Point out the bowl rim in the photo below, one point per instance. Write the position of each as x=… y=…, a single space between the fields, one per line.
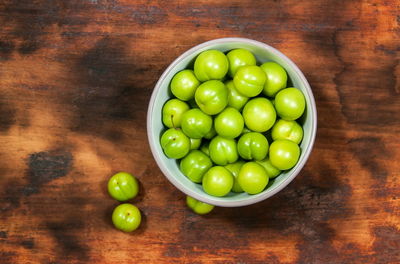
x=281 y=185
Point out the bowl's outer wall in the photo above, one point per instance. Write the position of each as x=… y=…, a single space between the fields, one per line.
x=161 y=94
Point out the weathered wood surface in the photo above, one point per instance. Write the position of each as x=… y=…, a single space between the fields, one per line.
x=75 y=80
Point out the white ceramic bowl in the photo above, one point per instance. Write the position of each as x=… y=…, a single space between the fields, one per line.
x=161 y=94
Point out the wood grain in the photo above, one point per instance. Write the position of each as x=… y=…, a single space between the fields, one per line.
x=75 y=80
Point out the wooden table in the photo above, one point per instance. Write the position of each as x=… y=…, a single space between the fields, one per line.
x=76 y=78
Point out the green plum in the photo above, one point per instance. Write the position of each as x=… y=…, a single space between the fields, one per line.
x=196 y=124
x=235 y=99
x=245 y=130
x=229 y=123
x=217 y=181
x=198 y=207
x=175 y=143
x=238 y=58
x=205 y=148
x=211 y=65
x=253 y=145
x=184 y=85
x=211 y=134
x=126 y=217
x=212 y=97
x=259 y=114
x=252 y=177
x=191 y=202
x=123 y=186
x=249 y=80
x=195 y=143
x=223 y=150
x=289 y=130
x=172 y=112
x=276 y=78
x=234 y=168
x=272 y=172
x=195 y=164
x=290 y=103
x=284 y=154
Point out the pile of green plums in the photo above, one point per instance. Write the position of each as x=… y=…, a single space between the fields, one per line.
x=232 y=123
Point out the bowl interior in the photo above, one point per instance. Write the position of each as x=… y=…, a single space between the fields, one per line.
x=161 y=94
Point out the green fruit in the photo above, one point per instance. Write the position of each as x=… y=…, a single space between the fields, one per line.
x=212 y=97
x=245 y=130
x=276 y=78
x=223 y=150
x=235 y=99
x=195 y=165
x=175 y=143
x=284 y=154
x=289 y=130
x=249 y=80
x=217 y=181
x=195 y=143
x=211 y=65
x=123 y=186
x=172 y=113
x=252 y=178
x=205 y=148
x=196 y=124
x=290 y=103
x=211 y=134
x=126 y=217
x=184 y=85
x=229 y=123
x=272 y=172
x=238 y=58
x=198 y=207
x=234 y=168
x=259 y=114
x=253 y=145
